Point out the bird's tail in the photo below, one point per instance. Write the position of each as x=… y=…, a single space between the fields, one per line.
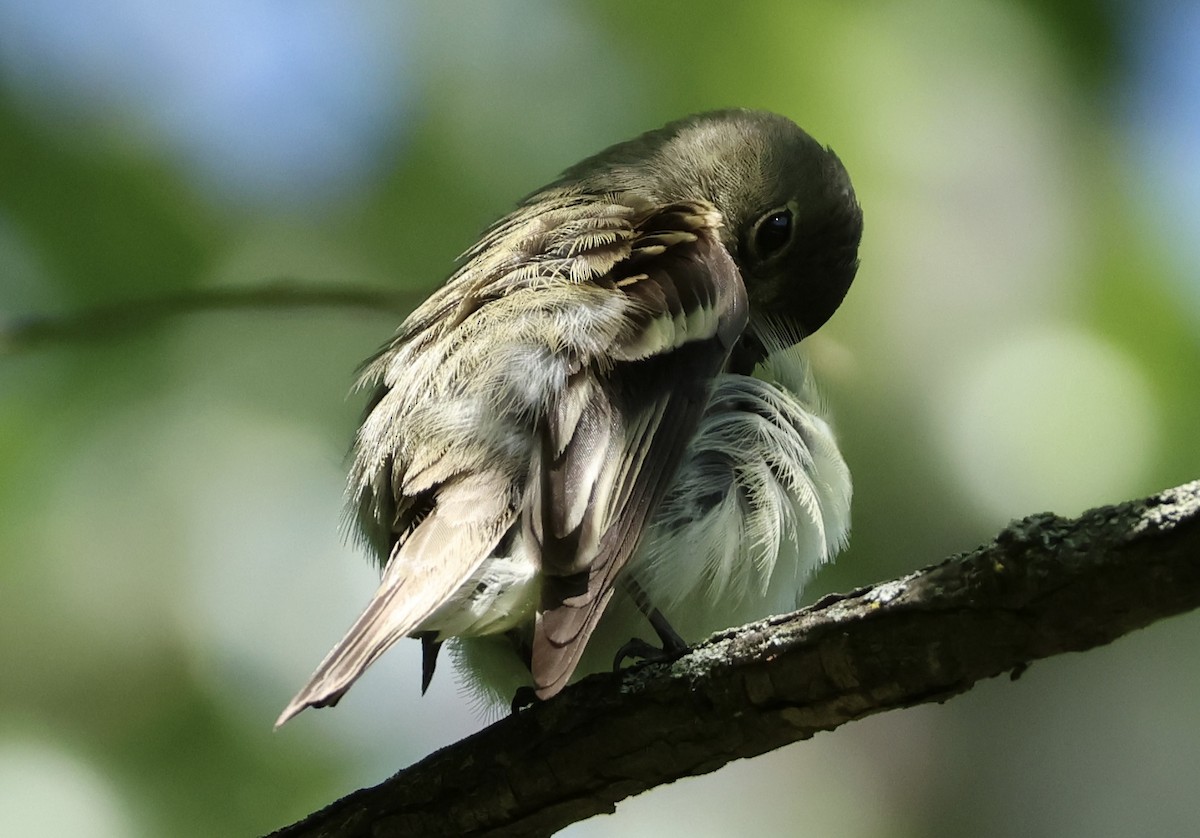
x=371 y=635
x=422 y=574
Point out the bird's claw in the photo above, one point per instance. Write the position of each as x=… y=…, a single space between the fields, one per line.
x=522 y=698
x=639 y=650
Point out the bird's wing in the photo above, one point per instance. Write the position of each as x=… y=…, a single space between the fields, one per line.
x=613 y=441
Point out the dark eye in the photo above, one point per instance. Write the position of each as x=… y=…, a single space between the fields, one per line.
x=772 y=234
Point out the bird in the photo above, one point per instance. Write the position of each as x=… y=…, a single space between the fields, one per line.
x=601 y=418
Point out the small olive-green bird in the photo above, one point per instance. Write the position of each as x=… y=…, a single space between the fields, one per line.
x=598 y=425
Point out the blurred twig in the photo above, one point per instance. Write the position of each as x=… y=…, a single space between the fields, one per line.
x=22 y=334
x=1045 y=586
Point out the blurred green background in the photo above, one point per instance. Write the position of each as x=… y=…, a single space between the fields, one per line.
x=1022 y=337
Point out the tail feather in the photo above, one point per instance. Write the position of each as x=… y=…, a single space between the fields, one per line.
x=370 y=636
x=425 y=571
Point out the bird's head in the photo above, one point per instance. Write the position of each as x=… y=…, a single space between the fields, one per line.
x=791 y=220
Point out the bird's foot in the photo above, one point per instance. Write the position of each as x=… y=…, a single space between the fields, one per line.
x=639 y=650
x=522 y=698
x=673 y=646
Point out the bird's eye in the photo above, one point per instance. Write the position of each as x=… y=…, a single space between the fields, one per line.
x=772 y=233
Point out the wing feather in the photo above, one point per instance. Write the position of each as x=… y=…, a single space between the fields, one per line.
x=627 y=442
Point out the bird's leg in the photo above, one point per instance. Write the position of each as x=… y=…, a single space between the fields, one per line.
x=672 y=644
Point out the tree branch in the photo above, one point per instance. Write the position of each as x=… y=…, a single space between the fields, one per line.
x=22 y=334
x=1046 y=585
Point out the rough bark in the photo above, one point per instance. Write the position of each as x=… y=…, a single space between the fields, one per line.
x=1045 y=586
